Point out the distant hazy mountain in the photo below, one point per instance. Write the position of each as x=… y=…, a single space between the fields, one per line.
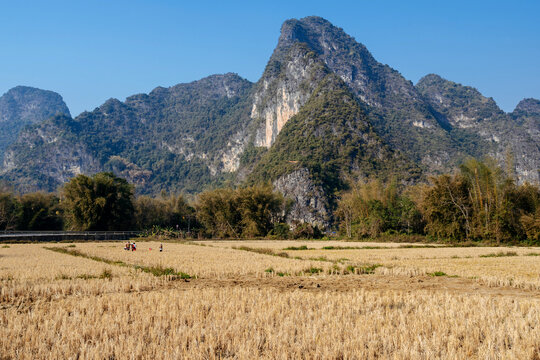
x=324 y=111
x=25 y=105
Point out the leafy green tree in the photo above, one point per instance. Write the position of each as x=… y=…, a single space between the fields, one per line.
x=447 y=208
x=531 y=225
x=101 y=202
x=244 y=212
x=481 y=202
x=260 y=208
x=39 y=211
x=218 y=212
x=373 y=208
x=8 y=211
x=167 y=211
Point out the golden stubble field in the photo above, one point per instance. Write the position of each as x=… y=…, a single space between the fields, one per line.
x=254 y=299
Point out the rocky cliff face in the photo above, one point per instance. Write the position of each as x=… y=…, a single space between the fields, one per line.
x=284 y=88
x=527 y=116
x=23 y=106
x=45 y=157
x=461 y=106
x=310 y=203
x=394 y=105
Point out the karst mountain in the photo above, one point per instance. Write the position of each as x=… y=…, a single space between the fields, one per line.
x=325 y=111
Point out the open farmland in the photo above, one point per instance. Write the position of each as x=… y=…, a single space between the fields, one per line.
x=267 y=299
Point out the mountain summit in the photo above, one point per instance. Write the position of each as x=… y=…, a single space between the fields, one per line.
x=23 y=105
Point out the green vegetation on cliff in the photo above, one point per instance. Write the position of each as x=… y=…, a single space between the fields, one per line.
x=331 y=137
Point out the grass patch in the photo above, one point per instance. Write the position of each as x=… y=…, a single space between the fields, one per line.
x=340 y=247
x=5 y=247
x=369 y=269
x=263 y=251
x=417 y=246
x=532 y=254
x=320 y=258
x=163 y=271
x=437 y=273
x=312 y=270
x=106 y=274
x=86 y=276
x=278 y=273
x=301 y=247
x=500 y=254
x=62 y=277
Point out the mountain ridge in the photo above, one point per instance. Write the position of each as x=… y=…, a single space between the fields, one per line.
x=226 y=130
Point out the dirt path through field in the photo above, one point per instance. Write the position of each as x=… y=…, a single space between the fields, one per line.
x=366 y=282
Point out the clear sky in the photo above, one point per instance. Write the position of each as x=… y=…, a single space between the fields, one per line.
x=89 y=51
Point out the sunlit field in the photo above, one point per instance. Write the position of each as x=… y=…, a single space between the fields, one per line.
x=266 y=299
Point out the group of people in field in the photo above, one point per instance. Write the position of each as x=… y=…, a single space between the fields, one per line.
x=131 y=246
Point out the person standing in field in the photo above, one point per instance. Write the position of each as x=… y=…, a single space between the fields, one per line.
x=160 y=247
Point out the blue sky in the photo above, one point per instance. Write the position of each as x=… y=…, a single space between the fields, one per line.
x=89 y=51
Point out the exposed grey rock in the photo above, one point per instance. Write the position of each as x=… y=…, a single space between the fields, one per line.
x=281 y=93
x=310 y=203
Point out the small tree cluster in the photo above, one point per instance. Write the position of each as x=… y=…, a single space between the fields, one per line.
x=481 y=203
x=373 y=208
x=246 y=212
x=33 y=211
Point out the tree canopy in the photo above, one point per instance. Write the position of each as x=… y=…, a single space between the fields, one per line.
x=101 y=202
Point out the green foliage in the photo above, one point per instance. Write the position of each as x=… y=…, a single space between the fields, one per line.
x=39 y=211
x=437 y=273
x=245 y=212
x=312 y=270
x=480 y=203
x=281 y=231
x=101 y=202
x=165 y=212
x=302 y=247
x=329 y=136
x=500 y=254
x=32 y=211
x=374 y=208
x=306 y=231
x=8 y=211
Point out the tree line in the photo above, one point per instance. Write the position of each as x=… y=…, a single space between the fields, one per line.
x=480 y=202
x=106 y=202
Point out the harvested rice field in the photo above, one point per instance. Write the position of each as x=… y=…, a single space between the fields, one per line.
x=268 y=299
